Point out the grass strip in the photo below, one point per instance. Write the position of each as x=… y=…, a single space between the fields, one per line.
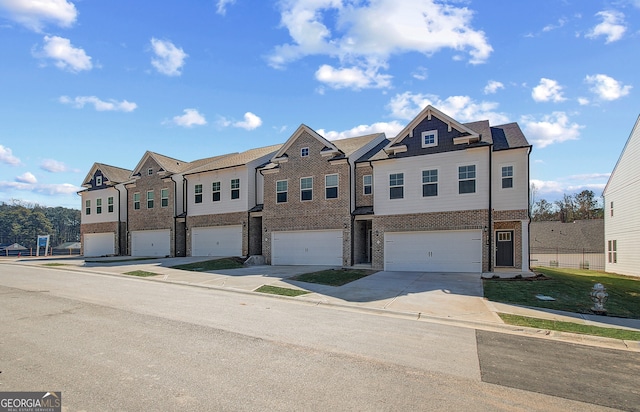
x=209 y=265
x=333 y=277
x=275 y=290
x=142 y=273
x=570 y=327
x=117 y=260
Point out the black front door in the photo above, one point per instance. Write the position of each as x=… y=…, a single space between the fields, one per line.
x=504 y=248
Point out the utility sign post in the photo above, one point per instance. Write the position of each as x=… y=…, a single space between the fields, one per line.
x=43 y=241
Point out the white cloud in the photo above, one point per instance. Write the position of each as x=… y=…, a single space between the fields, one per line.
x=421 y=73
x=390 y=129
x=53 y=166
x=607 y=88
x=547 y=90
x=169 y=58
x=462 y=108
x=567 y=185
x=46 y=189
x=33 y=14
x=222 y=6
x=250 y=122
x=492 y=87
x=553 y=128
x=366 y=34
x=6 y=156
x=583 y=101
x=561 y=22
x=26 y=177
x=612 y=26
x=65 y=56
x=354 y=77
x=190 y=118
x=100 y=105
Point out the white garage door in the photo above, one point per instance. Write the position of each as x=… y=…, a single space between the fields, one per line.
x=447 y=251
x=151 y=243
x=307 y=248
x=99 y=244
x=216 y=241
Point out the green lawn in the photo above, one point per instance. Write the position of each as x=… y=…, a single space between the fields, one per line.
x=209 y=265
x=333 y=277
x=276 y=290
x=142 y=273
x=571 y=289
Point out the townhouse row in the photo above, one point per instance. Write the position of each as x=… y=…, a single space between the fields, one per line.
x=440 y=196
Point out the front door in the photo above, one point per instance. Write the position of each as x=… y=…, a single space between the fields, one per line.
x=504 y=248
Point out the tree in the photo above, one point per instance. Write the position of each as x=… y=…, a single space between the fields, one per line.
x=543 y=211
x=587 y=206
x=23 y=222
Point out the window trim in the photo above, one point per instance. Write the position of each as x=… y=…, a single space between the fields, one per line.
x=504 y=178
x=304 y=152
x=391 y=187
x=308 y=189
x=611 y=208
x=98 y=180
x=365 y=185
x=149 y=171
x=99 y=206
x=612 y=251
x=136 y=201
x=150 y=199
x=286 y=191
x=429 y=133
x=217 y=191
x=87 y=207
x=235 y=191
x=467 y=179
x=197 y=193
x=327 y=187
x=430 y=183
x=110 y=204
x=163 y=197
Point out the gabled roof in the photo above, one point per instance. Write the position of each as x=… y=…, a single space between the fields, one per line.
x=168 y=164
x=508 y=136
x=635 y=127
x=304 y=128
x=113 y=174
x=233 y=159
x=427 y=113
x=352 y=144
x=568 y=237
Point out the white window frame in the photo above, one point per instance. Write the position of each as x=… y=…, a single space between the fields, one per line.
x=150 y=199
x=430 y=182
x=87 y=207
x=136 y=201
x=304 y=152
x=149 y=171
x=467 y=179
x=99 y=180
x=426 y=133
x=396 y=185
x=285 y=191
x=164 y=192
x=99 y=206
x=306 y=189
x=216 y=188
x=235 y=189
x=110 y=204
x=508 y=176
x=611 y=208
x=197 y=193
x=327 y=186
x=365 y=185
x=612 y=251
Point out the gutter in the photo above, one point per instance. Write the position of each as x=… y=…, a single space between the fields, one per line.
x=490 y=230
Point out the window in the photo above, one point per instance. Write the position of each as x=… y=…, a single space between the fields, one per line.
x=149 y=171
x=110 y=204
x=504 y=236
x=215 y=188
x=430 y=138
x=98 y=180
x=98 y=206
x=429 y=183
x=235 y=188
x=467 y=179
x=198 y=194
x=136 y=201
x=507 y=177
x=611 y=208
x=366 y=184
x=331 y=186
x=87 y=207
x=396 y=186
x=304 y=152
x=150 y=199
x=282 y=188
x=306 y=188
x=164 y=197
x=612 y=249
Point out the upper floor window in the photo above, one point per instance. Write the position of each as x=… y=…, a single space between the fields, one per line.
x=304 y=152
x=98 y=206
x=507 y=177
x=235 y=188
x=164 y=197
x=98 y=180
x=430 y=183
x=136 y=201
x=110 y=204
x=367 y=184
x=430 y=138
x=331 y=186
x=611 y=209
x=150 y=199
x=198 y=193
x=467 y=179
x=149 y=171
x=396 y=185
x=282 y=189
x=306 y=188
x=87 y=207
x=215 y=189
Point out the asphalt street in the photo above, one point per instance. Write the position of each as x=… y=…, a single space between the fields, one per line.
x=113 y=343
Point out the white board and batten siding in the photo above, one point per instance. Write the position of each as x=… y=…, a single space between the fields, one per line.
x=448 y=198
x=308 y=247
x=623 y=223
x=99 y=244
x=216 y=241
x=156 y=243
x=434 y=251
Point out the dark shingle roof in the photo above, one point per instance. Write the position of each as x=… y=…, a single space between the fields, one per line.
x=508 y=136
x=352 y=144
x=568 y=237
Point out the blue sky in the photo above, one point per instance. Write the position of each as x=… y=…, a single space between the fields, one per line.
x=105 y=80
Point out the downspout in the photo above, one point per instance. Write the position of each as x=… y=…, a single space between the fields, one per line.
x=490 y=230
x=184 y=207
x=175 y=219
x=529 y=208
x=119 y=222
x=351 y=216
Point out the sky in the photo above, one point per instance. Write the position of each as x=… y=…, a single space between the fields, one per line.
x=85 y=81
